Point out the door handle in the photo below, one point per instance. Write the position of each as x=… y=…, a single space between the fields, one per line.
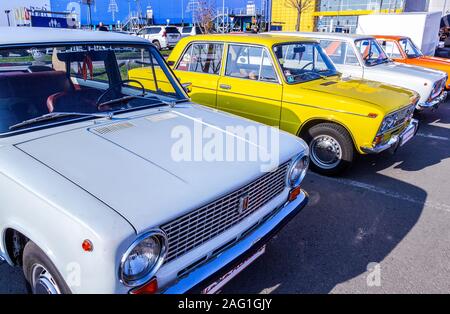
x=224 y=86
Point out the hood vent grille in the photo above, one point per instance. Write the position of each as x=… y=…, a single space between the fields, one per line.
x=114 y=127
x=328 y=83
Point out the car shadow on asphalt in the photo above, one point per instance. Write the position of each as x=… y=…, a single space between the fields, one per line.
x=342 y=230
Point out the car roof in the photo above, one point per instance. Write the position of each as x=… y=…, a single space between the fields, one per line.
x=393 y=37
x=40 y=35
x=341 y=36
x=245 y=38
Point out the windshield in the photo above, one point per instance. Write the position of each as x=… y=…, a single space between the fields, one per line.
x=301 y=62
x=409 y=48
x=371 y=52
x=90 y=79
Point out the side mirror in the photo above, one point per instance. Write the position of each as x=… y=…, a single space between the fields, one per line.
x=187 y=87
x=171 y=63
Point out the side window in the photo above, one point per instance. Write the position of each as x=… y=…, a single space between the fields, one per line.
x=351 y=58
x=88 y=70
x=249 y=63
x=267 y=70
x=335 y=49
x=391 y=49
x=202 y=58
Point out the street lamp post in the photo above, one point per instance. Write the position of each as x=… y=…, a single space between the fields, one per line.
x=7 y=16
x=182 y=13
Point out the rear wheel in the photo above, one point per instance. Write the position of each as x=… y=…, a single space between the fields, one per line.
x=331 y=148
x=41 y=275
x=157 y=44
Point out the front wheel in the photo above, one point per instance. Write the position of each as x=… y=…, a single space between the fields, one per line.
x=41 y=275
x=331 y=148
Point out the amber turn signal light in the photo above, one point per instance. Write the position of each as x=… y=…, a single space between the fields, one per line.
x=294 y=193
x=150 y=287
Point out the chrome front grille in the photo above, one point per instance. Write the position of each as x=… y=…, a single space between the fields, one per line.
x=199 y=226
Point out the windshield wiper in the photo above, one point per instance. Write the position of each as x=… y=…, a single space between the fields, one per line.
x=57 y=115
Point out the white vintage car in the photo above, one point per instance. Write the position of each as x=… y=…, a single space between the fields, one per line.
x=361 y=56
x=93 y=196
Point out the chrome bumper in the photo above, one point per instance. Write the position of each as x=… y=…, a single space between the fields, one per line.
x=205 y=274
x=394 y=142
x=433 y=104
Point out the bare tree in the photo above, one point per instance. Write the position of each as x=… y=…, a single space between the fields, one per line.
x=300 y=6
x=204 y=16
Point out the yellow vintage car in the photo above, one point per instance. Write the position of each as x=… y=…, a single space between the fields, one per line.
x=292 y=84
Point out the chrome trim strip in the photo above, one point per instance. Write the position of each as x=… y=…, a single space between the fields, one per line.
x=329 y=109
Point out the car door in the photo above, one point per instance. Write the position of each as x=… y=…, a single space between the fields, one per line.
x=200 y=65
x=250 y=86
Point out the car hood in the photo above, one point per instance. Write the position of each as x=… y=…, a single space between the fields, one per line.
x=404 y=74
x=129 y=164
x=373 y=92
x=432 y=62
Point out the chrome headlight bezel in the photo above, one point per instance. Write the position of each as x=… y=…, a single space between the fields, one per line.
x=391 y=120
x=163 y=242
x=295 y=182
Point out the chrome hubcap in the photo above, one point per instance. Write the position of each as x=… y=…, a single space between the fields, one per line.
x=325 y=151
x=42 y=281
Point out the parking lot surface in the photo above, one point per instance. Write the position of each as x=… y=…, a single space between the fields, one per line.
x=384 y=227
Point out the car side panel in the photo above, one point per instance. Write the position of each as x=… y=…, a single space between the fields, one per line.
x=39 y=212
x=256 y=100
x=297 y=111
x=204 y=86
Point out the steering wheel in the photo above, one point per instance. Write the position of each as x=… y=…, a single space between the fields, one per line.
x=308 y=64
x=99 y=104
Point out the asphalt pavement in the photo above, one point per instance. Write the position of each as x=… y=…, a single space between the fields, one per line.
x=384 y=227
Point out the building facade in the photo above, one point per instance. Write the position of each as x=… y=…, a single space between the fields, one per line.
x=330 y=15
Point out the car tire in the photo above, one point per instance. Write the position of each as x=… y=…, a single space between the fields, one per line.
x=331 y=148
x=41 y=275
x=157 y=44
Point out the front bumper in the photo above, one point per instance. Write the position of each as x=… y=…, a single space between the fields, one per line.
x=203 y=275
x=433 y=104
x=395 y=141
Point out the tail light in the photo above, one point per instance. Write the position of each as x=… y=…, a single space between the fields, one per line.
x=164 y=34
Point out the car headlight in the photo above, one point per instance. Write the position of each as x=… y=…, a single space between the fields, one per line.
x=297 y=170
x=143 y=258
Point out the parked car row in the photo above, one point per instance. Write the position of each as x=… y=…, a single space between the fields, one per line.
x=105 y=186
x=340 y=93
x=166 y=37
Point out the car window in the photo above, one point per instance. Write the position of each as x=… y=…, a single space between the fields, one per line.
x=187 y=29
x=250 y=63
x=303 y=61
x=390 y=48
x=335 y=49
x=153 y=30
x=202 y=58
x=76 y=79
x=410 y=48
x=172 y=30
x=371 y=52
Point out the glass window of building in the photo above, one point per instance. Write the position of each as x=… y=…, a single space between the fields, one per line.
x=352 y=5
